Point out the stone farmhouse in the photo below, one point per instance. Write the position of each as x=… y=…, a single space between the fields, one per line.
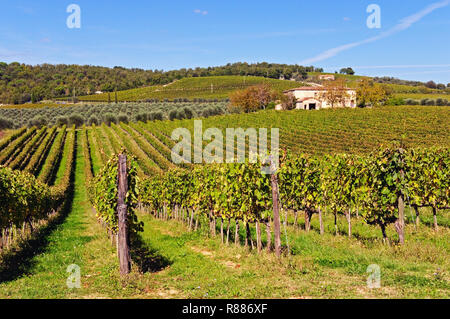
x=309 y=98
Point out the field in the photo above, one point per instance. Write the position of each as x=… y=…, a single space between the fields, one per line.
x=97 y=113
x=215 y=87
x=172 y=262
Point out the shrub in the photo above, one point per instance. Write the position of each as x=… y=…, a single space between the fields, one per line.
x=157 y=116
x=38 y=121
x=5 y=123
x=253 y=98
x=395 y=101
x=62 y=120
x=109 y=118
x=76 y=119
x=140 y=117
x=188 y=113
x=431 y=102
x=123 y=118
x=423 y=101
x=207 y=112
x=440 y=102
x=232 y=109
x=173 y=114
x=93 y=120
x=288 y=101
x=146 y=116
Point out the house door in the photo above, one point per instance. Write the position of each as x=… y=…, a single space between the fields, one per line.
x=312 y=106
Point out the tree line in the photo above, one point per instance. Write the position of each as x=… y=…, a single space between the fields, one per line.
x=22 y=83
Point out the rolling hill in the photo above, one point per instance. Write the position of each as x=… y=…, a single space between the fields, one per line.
x=214 y=87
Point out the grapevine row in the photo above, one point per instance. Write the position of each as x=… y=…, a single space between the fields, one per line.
x=372 y=185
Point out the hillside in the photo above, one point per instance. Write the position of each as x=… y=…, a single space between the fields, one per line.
x=22 y=83
x=219 y=87
x=215 y=87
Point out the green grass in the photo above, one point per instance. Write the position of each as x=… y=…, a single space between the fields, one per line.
x=76 y=239
x=326 y=266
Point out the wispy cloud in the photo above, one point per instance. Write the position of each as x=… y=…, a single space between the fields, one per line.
x=202 y=12
x=399 y=66
x=404 y=24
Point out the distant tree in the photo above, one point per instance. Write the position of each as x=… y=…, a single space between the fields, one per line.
x=441 y=86
x=123 y=118
x=62 y=120
x=93 y=120
x=5 y=123
x=348 y=71
x=141 y=117
x=335 y=92
x=431 y=85
x=288 y=101
x=39 y=121
x=370 y=93
x=109 y=118
x=188 y=113
x=253 y=98
x=157 y=116
x=76 y=119
x=173 y=115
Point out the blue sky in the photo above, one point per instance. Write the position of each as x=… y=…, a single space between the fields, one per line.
x=413 y=42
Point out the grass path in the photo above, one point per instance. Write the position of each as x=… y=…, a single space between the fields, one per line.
x=75 y=241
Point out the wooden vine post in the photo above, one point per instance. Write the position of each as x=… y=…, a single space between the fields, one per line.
x=276 y=211
x=123 y=238
x=400 y=223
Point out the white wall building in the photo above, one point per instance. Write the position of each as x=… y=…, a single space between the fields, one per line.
x=309 y=98
x=326 y=77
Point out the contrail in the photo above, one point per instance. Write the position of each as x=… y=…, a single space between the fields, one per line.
x=405 y=66
x=404 y=24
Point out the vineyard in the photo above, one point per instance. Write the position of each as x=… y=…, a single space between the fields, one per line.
x=377 y=180
x=220 y=87
x=216 y=87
